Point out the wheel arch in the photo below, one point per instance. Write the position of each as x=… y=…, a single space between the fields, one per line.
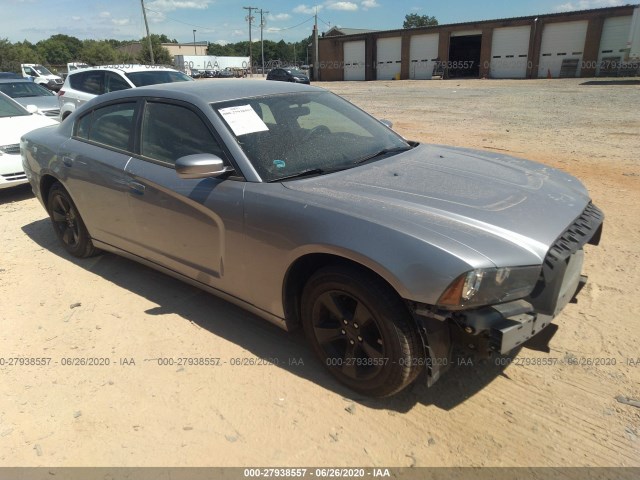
x=301 y=270
x=46 y=182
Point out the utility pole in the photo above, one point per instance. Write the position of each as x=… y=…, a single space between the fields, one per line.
x=262 y=25
x=144 y=14
x=195 y=50
x=250 y=19
x=316 y=62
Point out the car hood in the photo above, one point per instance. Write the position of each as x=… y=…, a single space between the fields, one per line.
x=12 y=128
x=506 y=209
x=42 y=102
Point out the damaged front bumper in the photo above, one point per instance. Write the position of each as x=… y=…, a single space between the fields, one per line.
x=504 y=327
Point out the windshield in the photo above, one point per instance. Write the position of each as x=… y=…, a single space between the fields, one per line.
x=295 y=72
x=42 y=70
x=153 y=77
x=9 y=108
x=290 y=135
x=24 y=89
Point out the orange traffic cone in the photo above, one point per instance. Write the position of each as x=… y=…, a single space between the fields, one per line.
x=549 y=73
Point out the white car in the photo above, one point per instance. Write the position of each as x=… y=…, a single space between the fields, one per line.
x=15 y=121
x=80 y=86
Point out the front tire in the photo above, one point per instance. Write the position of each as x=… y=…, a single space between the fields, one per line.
x=361 y=330
x=68 y=224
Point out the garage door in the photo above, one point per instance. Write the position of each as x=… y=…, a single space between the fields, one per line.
x=389 y=58
x=424 y=52
x=613 y=42
x=354 y=60
x=509 y=52
x=562 y=49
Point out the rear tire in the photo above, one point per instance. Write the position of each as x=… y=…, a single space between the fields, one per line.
x=68 y=224
x=361 y=330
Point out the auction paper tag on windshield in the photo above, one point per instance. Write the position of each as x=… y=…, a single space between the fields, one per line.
x=243 y=120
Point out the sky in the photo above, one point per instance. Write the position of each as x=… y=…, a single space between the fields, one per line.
x=224 y=21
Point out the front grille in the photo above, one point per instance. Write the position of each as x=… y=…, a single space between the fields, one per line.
x=587 y=228
x=11 y=149
x=12 y=177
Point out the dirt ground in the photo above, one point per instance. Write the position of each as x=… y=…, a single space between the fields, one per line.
x=284 y=409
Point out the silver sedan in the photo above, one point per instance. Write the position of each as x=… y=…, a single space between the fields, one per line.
x=303 y=209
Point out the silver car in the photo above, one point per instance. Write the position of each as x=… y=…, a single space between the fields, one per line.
x=26 y=92
x=303 y=209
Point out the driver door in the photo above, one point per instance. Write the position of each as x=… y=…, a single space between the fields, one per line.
x=189 y=226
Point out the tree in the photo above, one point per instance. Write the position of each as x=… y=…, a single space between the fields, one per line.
x=161 y=55
x=414 y=20
x=99 y=53
x=12 y=55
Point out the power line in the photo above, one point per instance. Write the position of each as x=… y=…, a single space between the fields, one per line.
x=180 y=21
x=295 y=26
x=328 y=24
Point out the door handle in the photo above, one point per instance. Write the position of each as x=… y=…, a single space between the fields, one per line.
x=67 y=161
x=137 y=188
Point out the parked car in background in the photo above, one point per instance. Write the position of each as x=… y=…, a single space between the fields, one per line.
x=15 y=121
x=288 y=75
x=210 y=73
x=72 y=66
x=42 y=76
x=26 y=92
x=297 y=205
x=226 y=73
x=195 y=73
x=82 y=85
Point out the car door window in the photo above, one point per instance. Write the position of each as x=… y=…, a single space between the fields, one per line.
x=110 y=126
x=114 y=82
x=88 y=82
x=172 y=131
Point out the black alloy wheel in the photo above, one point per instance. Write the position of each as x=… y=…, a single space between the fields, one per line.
x=361 y=330
x=68 y=224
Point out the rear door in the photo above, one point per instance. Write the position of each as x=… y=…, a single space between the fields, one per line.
x=94 y=161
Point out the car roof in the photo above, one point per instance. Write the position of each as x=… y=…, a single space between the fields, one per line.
x=14 y=80
x=126 y=68
x=212 y=92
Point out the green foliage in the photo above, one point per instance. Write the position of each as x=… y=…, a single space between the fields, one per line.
x=161 y=55
x=414 y=20
x=285 y=52
x=99 y=53
x=12 y=55
x=58 y=50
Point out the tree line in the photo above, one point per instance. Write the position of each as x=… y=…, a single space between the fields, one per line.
x=58 y=50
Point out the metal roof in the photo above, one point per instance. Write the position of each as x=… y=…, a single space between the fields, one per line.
x=509 y=19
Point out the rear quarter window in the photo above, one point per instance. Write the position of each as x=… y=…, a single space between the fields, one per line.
x=88 y=82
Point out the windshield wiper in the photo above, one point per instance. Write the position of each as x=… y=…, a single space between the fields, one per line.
x=303 y=173
x=310 y=172
x=383 y=152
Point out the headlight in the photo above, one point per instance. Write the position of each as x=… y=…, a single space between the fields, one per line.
x=489 y=286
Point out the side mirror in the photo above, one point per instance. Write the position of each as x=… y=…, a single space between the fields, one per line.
x=387 y=123
x=31 y=109
x=201 y=165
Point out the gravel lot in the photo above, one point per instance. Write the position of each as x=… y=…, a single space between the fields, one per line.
x=134 y=412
